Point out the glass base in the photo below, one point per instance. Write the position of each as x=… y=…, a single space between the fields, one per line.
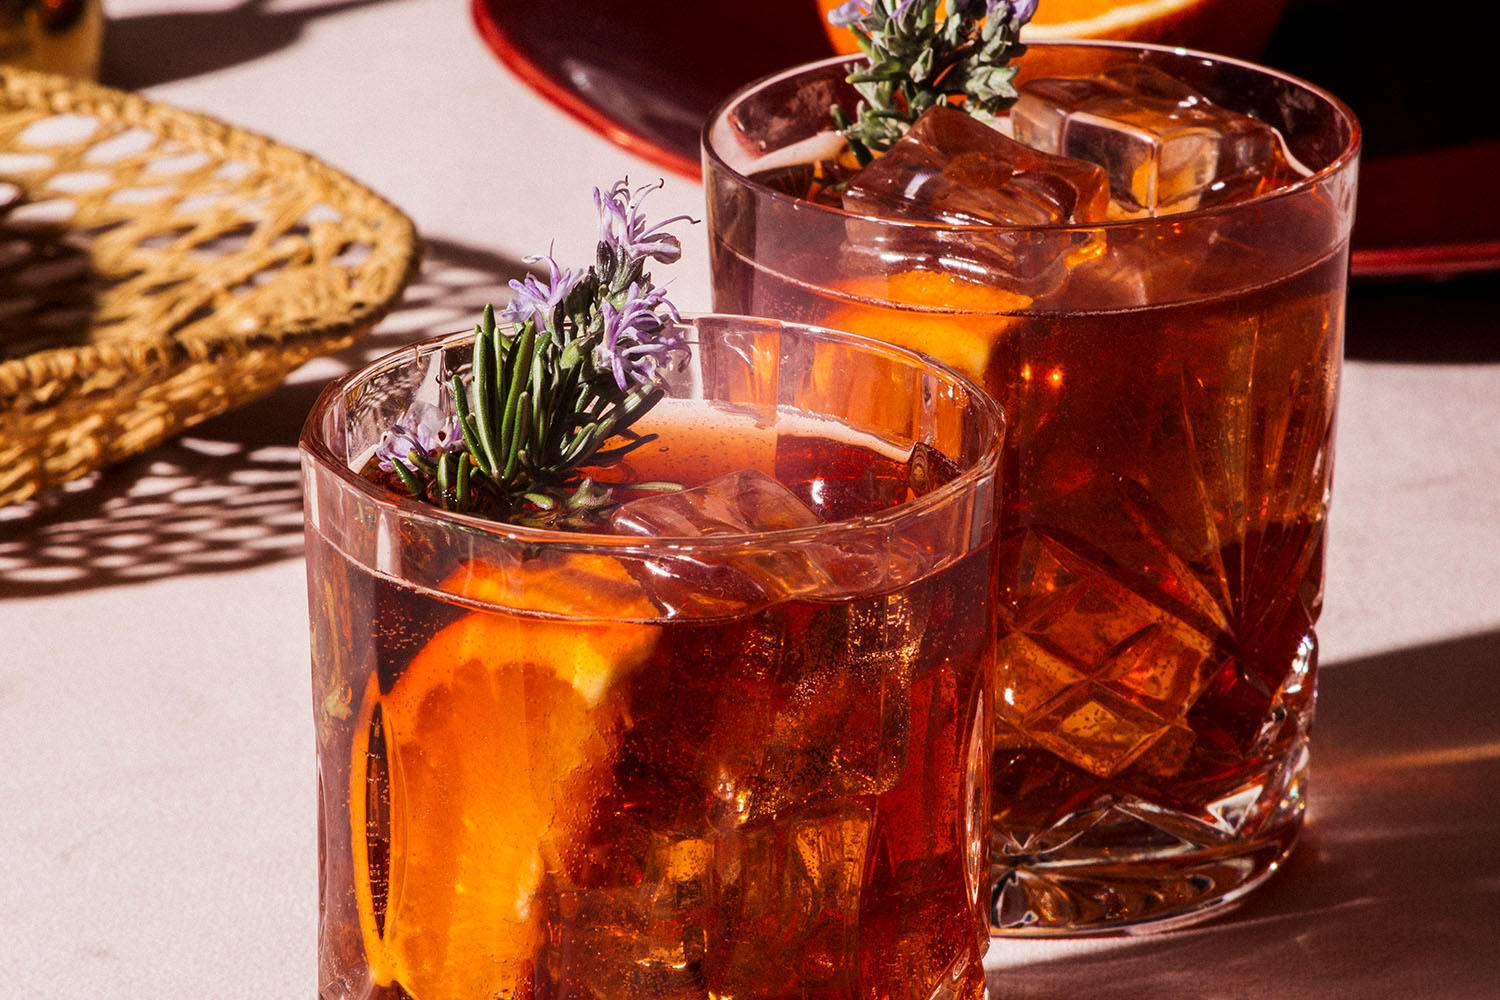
x=1127 y=867
x=964 y=981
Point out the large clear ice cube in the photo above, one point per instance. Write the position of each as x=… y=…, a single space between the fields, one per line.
x=637 y=926
x=738 y=580
x=817 y=701
x=1165 y=147
x=742 y=502
x=960 y=173
x=737 y=503
x=952 y=168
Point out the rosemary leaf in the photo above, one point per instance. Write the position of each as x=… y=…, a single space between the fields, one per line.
x=574 y=360
x=518 y=438
x=407 y=478
x=485 y=365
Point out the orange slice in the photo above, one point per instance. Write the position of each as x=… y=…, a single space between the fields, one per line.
x=497 y=736
x=955 y=320
x=1231 y=27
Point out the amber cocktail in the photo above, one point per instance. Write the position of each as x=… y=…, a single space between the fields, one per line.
x=732 y=744
x=1149 y=275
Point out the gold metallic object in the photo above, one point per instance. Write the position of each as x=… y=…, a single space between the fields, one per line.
x=59 y=36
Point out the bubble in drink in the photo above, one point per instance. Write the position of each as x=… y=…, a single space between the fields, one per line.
x=1165 y=147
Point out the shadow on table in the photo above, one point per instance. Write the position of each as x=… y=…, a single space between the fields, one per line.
x=1425 y=322
x=225 y=495
x=1395 y=888
x=143 y=50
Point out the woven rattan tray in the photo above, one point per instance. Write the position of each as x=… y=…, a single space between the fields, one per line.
x=158 y=267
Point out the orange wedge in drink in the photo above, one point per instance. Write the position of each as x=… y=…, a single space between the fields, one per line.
x=955 y=320
x=481 y=762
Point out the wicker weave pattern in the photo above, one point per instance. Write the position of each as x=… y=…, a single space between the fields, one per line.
x=158 y=267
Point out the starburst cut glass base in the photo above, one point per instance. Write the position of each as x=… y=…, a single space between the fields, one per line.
x=1125 y=865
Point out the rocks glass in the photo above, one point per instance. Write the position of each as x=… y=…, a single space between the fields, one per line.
x=733 y=745
x=1169 y=382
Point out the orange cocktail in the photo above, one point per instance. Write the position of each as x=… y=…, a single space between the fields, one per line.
x=732 y=743
x=1167 y=356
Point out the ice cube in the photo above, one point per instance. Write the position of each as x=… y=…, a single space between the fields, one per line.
x=1165 y=147
x=736 y=581
x=732 y=581
x=634 y=924
x=950 y=167
x=786 y=906
x=1141 y=267
x=737 y=503
x=816 y=705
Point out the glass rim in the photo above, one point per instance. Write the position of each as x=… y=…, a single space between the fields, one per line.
x=1339 y=163
x=314 y=449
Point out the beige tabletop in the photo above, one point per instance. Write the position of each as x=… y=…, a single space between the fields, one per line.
x=157 y=825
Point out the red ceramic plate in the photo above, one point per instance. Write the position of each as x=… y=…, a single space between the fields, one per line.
x=646 y=75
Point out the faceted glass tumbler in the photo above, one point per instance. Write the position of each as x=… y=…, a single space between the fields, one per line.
x=1170 y=386
x=729 y=761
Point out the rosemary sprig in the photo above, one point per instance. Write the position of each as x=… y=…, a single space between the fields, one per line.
x=580 y=360
x=918 y=60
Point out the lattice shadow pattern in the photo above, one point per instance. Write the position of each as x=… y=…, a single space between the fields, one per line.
x=225 y=496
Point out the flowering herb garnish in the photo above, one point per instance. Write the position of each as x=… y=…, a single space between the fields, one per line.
x=919 y=60
x=556 y=389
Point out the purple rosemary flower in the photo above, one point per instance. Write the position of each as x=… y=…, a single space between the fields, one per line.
x=1021 y=10
x=570 y=334
x=848 y=13
x=425 y=431
x=852 y=13
x=640 y=335
x=535 y=299
x=625 y=230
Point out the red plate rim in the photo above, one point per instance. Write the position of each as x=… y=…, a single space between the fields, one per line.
x=1419 y=258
